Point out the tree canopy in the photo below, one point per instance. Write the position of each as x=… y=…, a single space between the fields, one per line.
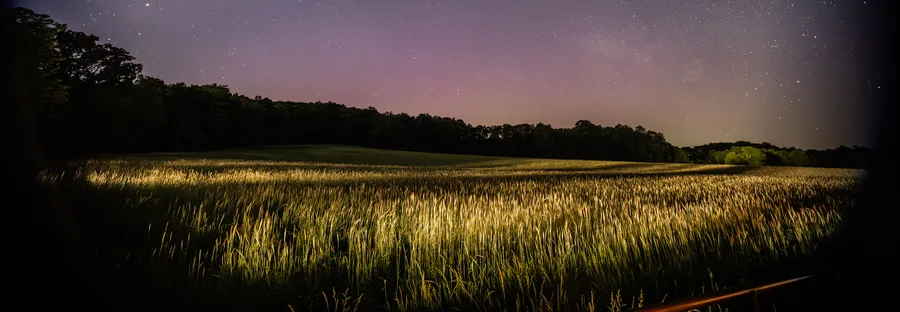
x=743 y=152
x=90 y=98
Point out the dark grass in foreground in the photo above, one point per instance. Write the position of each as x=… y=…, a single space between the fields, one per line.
x=453 y=231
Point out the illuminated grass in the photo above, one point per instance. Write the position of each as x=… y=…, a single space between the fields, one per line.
x=536 y=234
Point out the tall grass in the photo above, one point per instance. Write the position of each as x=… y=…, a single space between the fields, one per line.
x=544 y=235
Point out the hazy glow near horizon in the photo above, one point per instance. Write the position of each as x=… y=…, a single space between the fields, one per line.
x=792 y=73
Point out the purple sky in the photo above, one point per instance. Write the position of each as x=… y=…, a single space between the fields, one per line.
x=792 y=73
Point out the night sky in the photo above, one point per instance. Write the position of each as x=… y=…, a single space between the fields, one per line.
x=788 y=72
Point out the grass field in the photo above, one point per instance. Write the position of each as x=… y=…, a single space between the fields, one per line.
x=344 y=228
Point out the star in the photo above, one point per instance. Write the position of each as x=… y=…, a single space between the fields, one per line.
x=595 y=64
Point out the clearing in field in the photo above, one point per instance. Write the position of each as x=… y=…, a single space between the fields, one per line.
x=331 y=226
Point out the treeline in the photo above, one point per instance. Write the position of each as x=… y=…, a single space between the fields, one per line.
x=90 y=99
x=747 y=153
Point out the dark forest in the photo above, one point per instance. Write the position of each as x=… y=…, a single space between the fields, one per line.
x=91 y=99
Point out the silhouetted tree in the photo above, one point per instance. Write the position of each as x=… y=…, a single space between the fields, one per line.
x=797 y=158
x=92 y=99
x=842 y=157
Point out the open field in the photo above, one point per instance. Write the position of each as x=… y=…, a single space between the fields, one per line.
x=413 y=231
x=331 y=154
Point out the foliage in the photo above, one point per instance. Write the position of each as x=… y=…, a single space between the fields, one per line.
x=36 y=33
x=842 y=157
x=468 y=231
x=717 y=157
x=111 y=108
x=745 y=155
x=91 y=99
x=681 y=156
x=797 y=158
